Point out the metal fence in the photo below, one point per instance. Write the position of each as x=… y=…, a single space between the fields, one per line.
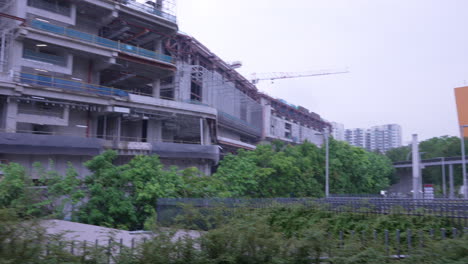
x=396 y=244
x=454 y=209
x=77 y=86
x=82 y=36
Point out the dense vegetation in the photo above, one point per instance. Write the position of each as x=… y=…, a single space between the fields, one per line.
x=124 y=196
x=436 y=147
x=249 y=237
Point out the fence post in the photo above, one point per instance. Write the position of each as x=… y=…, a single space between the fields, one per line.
x=109 y=252
x=442 y=233
x=84 y=249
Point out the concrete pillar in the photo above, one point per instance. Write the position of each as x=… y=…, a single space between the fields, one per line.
x=158 y=47
x=156 y=88
x=154 y=132
x=104 y=127
x=444 y=185
x=205 y=138
x=15 y=55
x=2 y=51
x=202 y=132
x=451 y=183
x=206 y=132
x=416 y=168
x=118 y=129
x=10 y=116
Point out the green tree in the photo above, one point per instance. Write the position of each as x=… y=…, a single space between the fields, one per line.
x=18 y=192
x=125 y=196
x=63 y=192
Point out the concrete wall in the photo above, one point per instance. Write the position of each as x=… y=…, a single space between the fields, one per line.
x=78 y=119
x=81 y=69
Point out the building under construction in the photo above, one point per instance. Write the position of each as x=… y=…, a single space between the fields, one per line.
x=78 y=77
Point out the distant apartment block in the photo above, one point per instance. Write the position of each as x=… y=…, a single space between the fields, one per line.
x=377 y=138
x=338 y=131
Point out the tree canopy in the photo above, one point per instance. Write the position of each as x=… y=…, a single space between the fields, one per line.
x=125 y=196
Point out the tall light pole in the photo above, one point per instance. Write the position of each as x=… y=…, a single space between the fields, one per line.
x=462 y=139
x=325 y=135
x=327 y=186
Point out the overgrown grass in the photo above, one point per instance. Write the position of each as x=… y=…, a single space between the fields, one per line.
x=295 y=235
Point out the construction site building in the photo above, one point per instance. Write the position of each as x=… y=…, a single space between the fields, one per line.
x=78 y=77
x=291 y=123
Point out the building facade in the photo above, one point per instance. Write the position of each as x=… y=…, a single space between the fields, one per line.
x=338 y=131
x=290 y=123
x=78 y=77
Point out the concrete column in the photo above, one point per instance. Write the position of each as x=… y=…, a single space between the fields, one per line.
x=204 y=132
x=451 y=184
x=158 y=47
x=154 y=132
x=104 y=127
x=15 y=55
x=156 y=88
x=118 y=129
x=10 y=116
x=444 y=185
x=2 y=51
x=416 y=168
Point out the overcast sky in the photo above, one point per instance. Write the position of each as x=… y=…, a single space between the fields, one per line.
x=405 y=56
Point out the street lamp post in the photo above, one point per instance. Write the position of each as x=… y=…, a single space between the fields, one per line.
x=325 y=135
x=327 y=187
x=462 y=139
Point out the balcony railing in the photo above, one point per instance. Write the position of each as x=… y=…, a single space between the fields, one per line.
x=104 y=137
x=39 y=56
x=100 y=41
x=50 y=81
x=49 y=6
x=150 y=10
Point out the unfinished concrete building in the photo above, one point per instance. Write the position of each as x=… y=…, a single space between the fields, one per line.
x=290 y=123
x=205 y=79
x=81 y=76
x=78 y=77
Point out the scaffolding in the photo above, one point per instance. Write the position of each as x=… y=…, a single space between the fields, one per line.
x=162 y=8
x=234 y=107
